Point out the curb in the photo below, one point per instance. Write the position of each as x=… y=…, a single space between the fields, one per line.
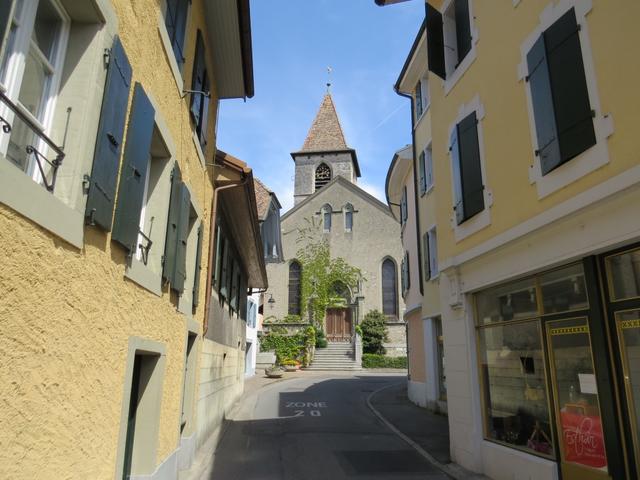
x=452 y=470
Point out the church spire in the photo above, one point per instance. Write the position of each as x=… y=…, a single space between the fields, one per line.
x=325 y=134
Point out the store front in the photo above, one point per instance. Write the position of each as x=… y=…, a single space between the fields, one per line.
x=559 y=365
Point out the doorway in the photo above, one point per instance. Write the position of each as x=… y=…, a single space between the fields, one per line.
x=338 y=324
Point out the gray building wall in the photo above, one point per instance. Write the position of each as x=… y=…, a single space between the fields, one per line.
x=341 y=164
x=375 y=236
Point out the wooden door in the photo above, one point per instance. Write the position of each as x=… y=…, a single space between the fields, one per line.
x=338 y=324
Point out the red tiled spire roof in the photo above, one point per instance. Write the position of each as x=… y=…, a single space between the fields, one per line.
x=325 y=133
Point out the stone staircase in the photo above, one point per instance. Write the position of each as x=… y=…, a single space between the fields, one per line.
x=337 y=356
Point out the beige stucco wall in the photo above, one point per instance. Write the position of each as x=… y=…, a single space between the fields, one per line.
x=67 y=313
x=415 y=341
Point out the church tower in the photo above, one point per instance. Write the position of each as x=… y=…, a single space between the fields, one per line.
x=324 y=154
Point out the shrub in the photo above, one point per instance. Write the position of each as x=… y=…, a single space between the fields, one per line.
x=372 y=360
x=358 y=330
x=290 y=348
x=321 y=341
x=374 y=333
x=291 y=319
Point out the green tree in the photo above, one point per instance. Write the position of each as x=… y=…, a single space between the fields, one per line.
x=374 y=333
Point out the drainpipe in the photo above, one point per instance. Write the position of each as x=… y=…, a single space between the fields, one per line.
x=212 y=232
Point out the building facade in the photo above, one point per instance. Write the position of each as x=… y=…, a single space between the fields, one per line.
x=535 y=194
x=108 y=111
x=331 y=207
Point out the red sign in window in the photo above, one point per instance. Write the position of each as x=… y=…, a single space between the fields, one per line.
x=583 y=440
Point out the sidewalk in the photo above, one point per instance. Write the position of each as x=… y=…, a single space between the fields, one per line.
x=425 y=431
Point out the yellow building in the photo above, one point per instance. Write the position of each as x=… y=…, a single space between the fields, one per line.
x=535 y=197
x=110 y=368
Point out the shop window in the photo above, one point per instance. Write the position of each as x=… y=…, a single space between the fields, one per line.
x=516 y=407
x=623 y=271
x=563 y=290
x=514 y=301
x=559 y=94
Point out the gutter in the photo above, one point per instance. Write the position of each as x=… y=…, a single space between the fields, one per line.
x=244 y=23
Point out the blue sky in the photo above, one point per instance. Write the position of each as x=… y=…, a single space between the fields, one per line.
x=293 y=43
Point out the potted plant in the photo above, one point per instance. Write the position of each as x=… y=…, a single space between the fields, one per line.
x=289 y=365
x=274 y=371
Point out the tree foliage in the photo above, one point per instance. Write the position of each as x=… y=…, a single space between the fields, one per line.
x=374 y=332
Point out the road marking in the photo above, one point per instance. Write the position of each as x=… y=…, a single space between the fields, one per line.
x=306 y=405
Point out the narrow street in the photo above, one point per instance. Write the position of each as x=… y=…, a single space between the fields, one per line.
x=316 y=427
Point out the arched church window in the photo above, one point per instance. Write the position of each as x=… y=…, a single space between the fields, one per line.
x=389 y=288
x=323 y=175
x=295 y=287
x=326 y=218
x=348 y=217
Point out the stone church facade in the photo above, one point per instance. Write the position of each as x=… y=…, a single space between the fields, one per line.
x=358 y=227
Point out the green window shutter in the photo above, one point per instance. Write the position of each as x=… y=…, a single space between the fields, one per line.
x=427 y=263
x=456 y=172
x=6 y=15
x=574 y=118
x=408 y=267
x=197 y=82
x=471 y=169
x=134 y=170
x=435 y=41
x=543 y=110
x=180 y=271
x=173 y=221
x=198 y=266
x=423 y=176
x=106 y=159
x=463 y=28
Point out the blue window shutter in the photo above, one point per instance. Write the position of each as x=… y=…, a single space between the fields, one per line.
x=456 y=172
x=435 y=41
x=574 y=119
x=106 y=159
x=180 y=269
x=197 y=82
x=176 y=23
x=134 y=170
x=470 y=165
x=197 y=269
x=173 y=221
x=463 y=28
x=543 y=109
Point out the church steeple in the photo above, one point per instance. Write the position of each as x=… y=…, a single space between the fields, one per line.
x=324 y=153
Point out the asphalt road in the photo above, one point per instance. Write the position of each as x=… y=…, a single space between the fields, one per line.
x=316 y=427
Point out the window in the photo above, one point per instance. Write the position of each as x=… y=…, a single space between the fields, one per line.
x=389 y=289
x=295 y=288
x=323 y=175
x=562 y=110
x=430 y=257
x=425 y=167
x=326 y=218
x=230 y=277
x=421 y=97
x=31 y=70
x=200 y=95
x=468 y=184
x=449 y=37
x=404 y=214
x=175 y=17
x=348 y=217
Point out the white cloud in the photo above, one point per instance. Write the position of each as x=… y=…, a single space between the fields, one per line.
x=374 y=190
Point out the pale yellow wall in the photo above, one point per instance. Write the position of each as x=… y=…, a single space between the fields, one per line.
x=67 y=314
x=507 y=140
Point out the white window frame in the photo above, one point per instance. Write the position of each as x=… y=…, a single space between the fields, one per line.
x=424 y=97
x=326 y=210
x=348 y=208
x=482 y=219
x=453 y=73
x=595 y=156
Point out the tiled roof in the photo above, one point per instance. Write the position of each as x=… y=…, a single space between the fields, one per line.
x=325 y=133
x=263 y=197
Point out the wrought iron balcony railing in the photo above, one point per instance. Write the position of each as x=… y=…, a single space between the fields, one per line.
x=34 y=138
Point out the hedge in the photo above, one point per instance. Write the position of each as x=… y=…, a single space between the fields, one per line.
x=373 y=360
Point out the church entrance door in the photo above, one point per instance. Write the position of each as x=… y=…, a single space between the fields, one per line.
x=338 y=324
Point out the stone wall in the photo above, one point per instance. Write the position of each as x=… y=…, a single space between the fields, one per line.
x=396 y=345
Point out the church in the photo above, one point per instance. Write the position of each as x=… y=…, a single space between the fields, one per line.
x=357 y=227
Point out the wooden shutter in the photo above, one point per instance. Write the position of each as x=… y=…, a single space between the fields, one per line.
x=180 y=272
x=295 y=283
x=463 y=28
x=435 y=41
x=418 y=97
x=231 y=266
x=456 y=172
x=574 y=118
x=224 y=269
x=543 y=110
x=197 y=81
x=427 y=263
x=134 y=170
x=428 y=166
x=106 y=158
x=423 y=173
x=6 y=16
x=218 y=266
x=173 y=221
x=471 y=169
x=196 y=270
x=176 y=22
x=204 y=123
